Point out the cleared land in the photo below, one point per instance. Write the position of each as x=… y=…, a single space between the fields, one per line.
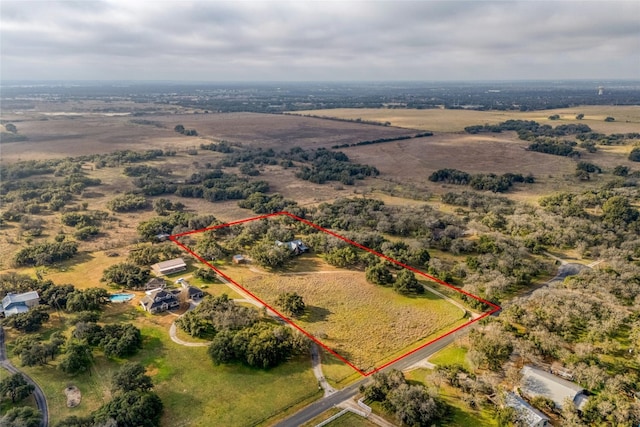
x=627 y=118
x=62 y=136
x=364 y=323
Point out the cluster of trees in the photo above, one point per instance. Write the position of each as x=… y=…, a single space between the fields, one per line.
x=35 y=351
x=411 y=404
x=15 y=387
x=174 y=223
x=240 y=335
x=133 y=402
x=263 y=344
x=221 y=147
x=45 y=253
x=611 y=139
x=261 y=203
x=189 y=132
x=164 y=207
x=29 y=321
x=143 y=170
x=529 y=130
x=405 y=281
x=486 y=182
x=127 y=203
x=329 y=165
x=22 y=416
x=116 y=340
x=214 y=314
x=126 y=274
x=557 y=148
x=146 y=254
x=634 y=155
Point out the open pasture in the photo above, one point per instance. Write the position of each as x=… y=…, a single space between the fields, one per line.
x=364 y=323
x=627 y=118
x=72 y=135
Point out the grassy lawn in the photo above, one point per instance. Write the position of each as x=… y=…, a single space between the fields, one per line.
x=460 y=414
x=194 y=391
x=451 y=355
x=365 y=323
x=351 y=420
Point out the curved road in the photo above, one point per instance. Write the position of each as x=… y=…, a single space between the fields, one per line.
x=41 y=400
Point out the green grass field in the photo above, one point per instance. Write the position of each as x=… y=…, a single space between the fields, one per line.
x=451 y=355
x=193 y=390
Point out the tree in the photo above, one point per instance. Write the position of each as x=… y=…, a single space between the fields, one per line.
x=609 y=119
x=24 y=416
x=16 y=388
x=131 y=377
x=291 y=303
x=132 y=409
x=126 y=274
x=269 y=255
x=121 y=340
x=30 y=321
x=579 y=116
x=634 y=155
x=378 y=274
x=617 y=211
x=407 y=283
x=77 y=358
x=414 y=406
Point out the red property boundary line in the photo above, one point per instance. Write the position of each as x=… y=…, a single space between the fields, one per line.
x=494 y=308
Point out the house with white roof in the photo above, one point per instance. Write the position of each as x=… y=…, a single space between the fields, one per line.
x=19 y=303
x=537 y=382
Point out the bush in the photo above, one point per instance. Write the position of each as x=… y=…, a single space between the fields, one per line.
x=127 y=202
x=634 y=155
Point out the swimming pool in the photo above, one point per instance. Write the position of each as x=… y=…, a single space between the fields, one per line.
x=121 y=297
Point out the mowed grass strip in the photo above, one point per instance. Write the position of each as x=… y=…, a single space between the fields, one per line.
x=362 y=322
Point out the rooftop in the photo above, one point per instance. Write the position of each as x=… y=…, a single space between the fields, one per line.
x=536 y=382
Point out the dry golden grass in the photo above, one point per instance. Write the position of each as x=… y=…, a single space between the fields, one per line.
x=440 y=120
x=364 y=323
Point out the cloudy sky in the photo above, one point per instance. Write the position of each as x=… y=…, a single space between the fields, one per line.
x=319 y=40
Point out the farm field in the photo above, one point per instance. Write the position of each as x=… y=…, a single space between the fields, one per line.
x=62 y=136
x=441 y=120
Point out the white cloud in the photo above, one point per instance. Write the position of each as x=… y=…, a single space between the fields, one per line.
x=308 y=40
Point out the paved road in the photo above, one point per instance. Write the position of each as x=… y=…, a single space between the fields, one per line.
x=565 y=270
x=318 y=407
x=41 y=400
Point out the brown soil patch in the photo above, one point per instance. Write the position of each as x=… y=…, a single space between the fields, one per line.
x=74 y=396
x=61 y=136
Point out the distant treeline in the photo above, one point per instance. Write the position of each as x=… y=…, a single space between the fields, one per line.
x=343 y=119
x=483 y=182
x=381 y=140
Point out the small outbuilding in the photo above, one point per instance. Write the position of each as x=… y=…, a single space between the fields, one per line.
x=169 y=267
x=19 y=303
x=526 y=414
x=238 y=259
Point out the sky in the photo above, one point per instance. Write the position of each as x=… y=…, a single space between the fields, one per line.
x=307 y=40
